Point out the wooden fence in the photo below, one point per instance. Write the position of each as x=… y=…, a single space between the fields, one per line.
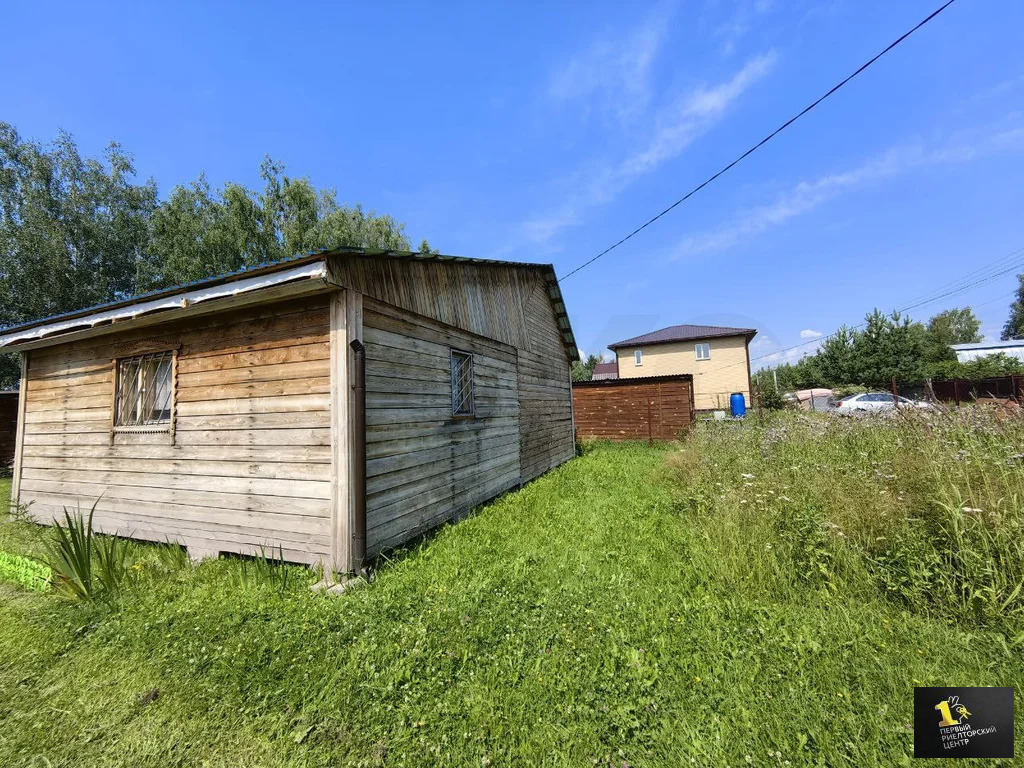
x=961 y=390
x=653 y=408
x=8 y=427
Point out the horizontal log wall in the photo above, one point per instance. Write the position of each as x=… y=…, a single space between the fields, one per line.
x=423 y=465
x=8 y=426
x=248 y=464
x=614 y=410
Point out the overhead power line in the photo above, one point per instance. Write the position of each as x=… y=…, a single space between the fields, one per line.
x=766 y=139
x=962 y=285
x=981 y=273
x=962 y=289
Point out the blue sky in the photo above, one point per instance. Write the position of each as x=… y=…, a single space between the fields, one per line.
x=545 y=132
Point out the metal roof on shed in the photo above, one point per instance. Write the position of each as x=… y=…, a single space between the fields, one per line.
x=267 y=268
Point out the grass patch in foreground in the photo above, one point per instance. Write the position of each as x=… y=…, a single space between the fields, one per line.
x=576 y=622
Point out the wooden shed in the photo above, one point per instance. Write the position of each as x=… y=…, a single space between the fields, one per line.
x=334 y=405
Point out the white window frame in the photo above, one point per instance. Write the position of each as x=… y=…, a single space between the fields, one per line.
x=697 y=348
x=465 y=412
x=638 y=357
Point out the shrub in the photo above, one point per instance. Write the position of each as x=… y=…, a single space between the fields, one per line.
x=771 y=397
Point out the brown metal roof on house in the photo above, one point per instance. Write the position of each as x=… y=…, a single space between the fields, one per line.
x=684 y=333
x=607 y=368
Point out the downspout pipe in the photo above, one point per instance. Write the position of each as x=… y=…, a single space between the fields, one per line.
x=359 y=457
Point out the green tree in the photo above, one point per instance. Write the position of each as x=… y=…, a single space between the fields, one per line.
x=199 y=232
x=835 y=359
x=583 y=370
x=891 y=346
x=72 y=229
x=953 y=326
x=1014 y=328
x=986 y=367
x=75 y=232
x=802 y=374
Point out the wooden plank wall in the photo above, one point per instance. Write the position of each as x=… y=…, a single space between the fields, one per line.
x=8 y=426
x=424 y=466
x=250 y=459
x=508 y=304
x=616 y=410
x=545 y=397
x=487 y=300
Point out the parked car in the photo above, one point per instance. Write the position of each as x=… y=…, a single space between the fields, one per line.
x=875 y=401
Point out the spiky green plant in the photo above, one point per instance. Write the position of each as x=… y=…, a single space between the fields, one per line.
x=69 y=555
x=111 y=568
x=171 y=556
x=86 y=566
x=262 y=569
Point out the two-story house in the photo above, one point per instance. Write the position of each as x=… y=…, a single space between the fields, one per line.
x=717 y=357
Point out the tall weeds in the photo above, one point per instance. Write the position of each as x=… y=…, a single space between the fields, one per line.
x=261 y=570
x=926 y=509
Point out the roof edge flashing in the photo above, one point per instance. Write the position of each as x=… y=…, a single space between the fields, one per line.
x=178 y=301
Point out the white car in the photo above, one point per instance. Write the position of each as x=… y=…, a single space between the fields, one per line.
x=875 y=401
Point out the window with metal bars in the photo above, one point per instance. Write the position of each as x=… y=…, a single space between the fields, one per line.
x=144 y=391
x=462 y=384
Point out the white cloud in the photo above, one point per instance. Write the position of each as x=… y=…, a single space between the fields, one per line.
x=689 y=117
x=676 y=126
x=807 y=333
x=744 y=17
x=808 y=195
x=613 y=75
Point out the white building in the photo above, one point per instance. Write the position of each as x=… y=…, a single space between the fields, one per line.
x=967 y=352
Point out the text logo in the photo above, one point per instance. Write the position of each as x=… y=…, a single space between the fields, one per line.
x=963 y=722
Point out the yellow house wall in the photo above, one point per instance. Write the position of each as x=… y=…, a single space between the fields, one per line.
x=713 y=380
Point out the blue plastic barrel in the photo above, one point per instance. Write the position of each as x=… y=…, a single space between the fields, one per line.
x=737 y=405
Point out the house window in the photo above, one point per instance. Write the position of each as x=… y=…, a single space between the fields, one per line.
x=703 y=351
x=144 y=391
x=462 y=384
x=638 y=357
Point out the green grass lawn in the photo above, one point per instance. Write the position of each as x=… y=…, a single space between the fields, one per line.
x=604 y=615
